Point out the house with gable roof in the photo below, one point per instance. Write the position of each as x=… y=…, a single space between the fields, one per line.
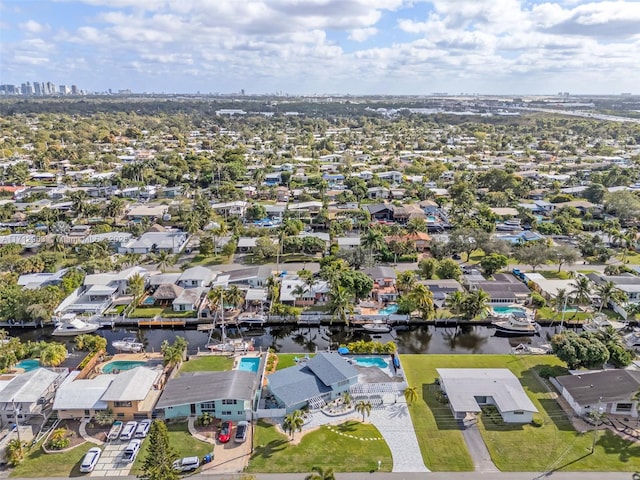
x=132 y=395
x=316 y=381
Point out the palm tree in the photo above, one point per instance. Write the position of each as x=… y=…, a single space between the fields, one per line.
x=293 y=422
x=406 y=281
x=164 y=260
x=610 y=336
x=560 y=299
x=234 y=296
x=476 y=304
x=581 y=290
x=455 y=302
x=608 y=291
x=411 y=394
x=633 y=310
x=79 y=200
x=114 y=208
x=422 y=298
x=136 y=286
x=341 y=304
x=346 y=398
x=364 y=408
x=321 y=474
x=373 y=240
x=299 y=291
x=215 y=297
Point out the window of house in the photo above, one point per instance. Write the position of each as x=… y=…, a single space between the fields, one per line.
x=229 y=402
x=518 y=412
x=208 y=406
x=87 y=413
x=227 y=413
x=240 y=412
x=623 y=407
x=122 y=404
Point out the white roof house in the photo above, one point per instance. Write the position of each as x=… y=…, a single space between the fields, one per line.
x=150 y=242
x=82 y=394
x=131 y=385
x=470 y=388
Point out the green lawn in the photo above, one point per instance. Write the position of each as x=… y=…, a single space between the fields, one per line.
x=145 y=312
x=555 y=445
x=180 y=439
x=212 y=363
x=555 y=275
x=547 y=313
x=323 y=447
x=171 y=313
x=206 y=260
x=40 y=464
x=633 y=258
x=286 y=360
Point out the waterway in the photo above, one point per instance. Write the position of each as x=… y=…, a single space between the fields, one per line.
x=296 y=339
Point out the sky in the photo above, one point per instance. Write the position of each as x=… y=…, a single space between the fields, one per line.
x=324 y=46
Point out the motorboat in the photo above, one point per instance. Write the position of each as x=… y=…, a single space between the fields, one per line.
x=516 y=325
x=377 y=326
x=232 y=345
x=114 y=431
x=74 y=327
x=129 y=344
x=524 y=349
x=251 y=318
x=632 y=340
x=601 y=322
x=509 y=225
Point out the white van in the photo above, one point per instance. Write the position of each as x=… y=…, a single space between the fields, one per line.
x=186 y=464
x=131 y=451
x=128 y=430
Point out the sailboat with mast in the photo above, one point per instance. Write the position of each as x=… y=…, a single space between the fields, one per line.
x=230 y=345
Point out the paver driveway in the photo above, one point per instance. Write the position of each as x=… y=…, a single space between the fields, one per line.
x=110 y=463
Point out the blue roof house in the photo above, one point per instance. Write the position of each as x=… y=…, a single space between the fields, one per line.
x=313 y=382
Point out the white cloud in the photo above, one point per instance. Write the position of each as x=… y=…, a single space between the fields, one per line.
x=31 y=26
x=362 y=34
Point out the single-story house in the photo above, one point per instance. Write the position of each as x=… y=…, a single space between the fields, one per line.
x=132 y=395
x=607 y=391
x=348 y=243
x=290 y=291
x=441 y=289
x=505 y=288
x=81 y=398
x=196 y=277
x=29 y=394
x=166 y=293
x=225 y=395
x=189 y=299
x=468 y=389
x=313 y=382
x=152 y=242
x=252 y=276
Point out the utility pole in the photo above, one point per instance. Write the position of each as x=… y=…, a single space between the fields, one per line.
x=595 y=428
x=15 y=414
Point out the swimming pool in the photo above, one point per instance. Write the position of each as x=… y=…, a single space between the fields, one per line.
x=431 y=219
x=28 y=365
x=371 y=362
x=149 y=301
x=389 y=309
x=249 y=364
x=508 y=310
x=120 y=365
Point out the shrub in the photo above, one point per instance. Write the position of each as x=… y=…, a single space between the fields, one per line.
x=538 y=300
x=104 y=417
x=205 y=419
x=537 y=422
x=59 y=439
x=15 y=452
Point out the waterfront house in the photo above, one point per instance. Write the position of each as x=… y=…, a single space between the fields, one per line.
x=81 y=398
x=132 y=395
x=196 y=277
x=312 y=382
x=225 y=395
x=469 y=389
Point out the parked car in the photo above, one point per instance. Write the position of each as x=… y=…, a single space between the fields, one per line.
x=131 y=451
x=241 y=432
x=143 y=428
x=225 y=432
x=90 y=460
x=186 y=464
x=128 y=430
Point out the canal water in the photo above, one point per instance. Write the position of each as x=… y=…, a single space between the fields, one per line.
x=296 y=339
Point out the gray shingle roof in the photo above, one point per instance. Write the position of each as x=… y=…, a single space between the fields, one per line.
x=610 y=385
x=295 y=385
x=331 y=368
x=208 y=386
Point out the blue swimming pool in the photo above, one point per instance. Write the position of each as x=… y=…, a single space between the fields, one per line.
x=508 y=310
x=389 y=309
x=28 y=365
x=249 y=364
x=149 y=301
x=120 y=365
x=371 y=362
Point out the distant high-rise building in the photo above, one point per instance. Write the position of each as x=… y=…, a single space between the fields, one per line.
x=37 y=88
x=63 y=90
x=242 y=92
x=74 y=90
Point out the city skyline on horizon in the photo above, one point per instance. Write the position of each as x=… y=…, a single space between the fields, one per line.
x=325 y=47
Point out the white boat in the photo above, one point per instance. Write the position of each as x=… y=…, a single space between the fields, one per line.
x=129 y=344
x=377 y=326
x=74 y=327
x=601 y=322
x=632 y=340
x=232 y=345
x=516 y=325
x=251 y=318
x=524 y=349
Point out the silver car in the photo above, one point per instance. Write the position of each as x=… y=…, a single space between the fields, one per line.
x=90 y=460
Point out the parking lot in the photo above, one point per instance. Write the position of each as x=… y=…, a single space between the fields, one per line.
x=110 y=463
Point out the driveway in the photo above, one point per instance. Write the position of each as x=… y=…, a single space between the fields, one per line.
x=478 y=450
x=110 y=463
x=394 y=423
x=230 y=457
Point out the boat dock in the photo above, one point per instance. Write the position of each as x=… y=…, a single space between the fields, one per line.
x=162 y=323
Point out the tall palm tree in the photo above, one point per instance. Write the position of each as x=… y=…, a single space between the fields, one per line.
x=411 y=395
x=373 y=240
x=234 y=296
x=422 y=298
x=581 y=290
x=299 y=291
x=406 y=281
x=364 y=408
x=476 y=304
x=164 y=260
x=136 y=286
x=560 y=299
x=321 y=474
x=215 y=297
x=114 y=208
x=341 y=304
x=80 y=203
x=608 y=291
x=293 y=422
x=455 y=302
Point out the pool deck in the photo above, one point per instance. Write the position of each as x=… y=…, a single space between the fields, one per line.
x=135 y=357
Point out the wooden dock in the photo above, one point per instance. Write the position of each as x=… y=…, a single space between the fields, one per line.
x=162 y=323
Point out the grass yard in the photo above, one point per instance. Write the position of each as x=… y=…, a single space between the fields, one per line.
x=206 y=260
x=209 y=363
x=286 y=360
x=633 y=258
x=555 y=275
x=323 y=447
x=45 y=465
x=145 y=312
x=555 y=445
x=180 y=439
x=548 y=313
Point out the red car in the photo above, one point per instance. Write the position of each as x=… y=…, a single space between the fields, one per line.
x=225 y=432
